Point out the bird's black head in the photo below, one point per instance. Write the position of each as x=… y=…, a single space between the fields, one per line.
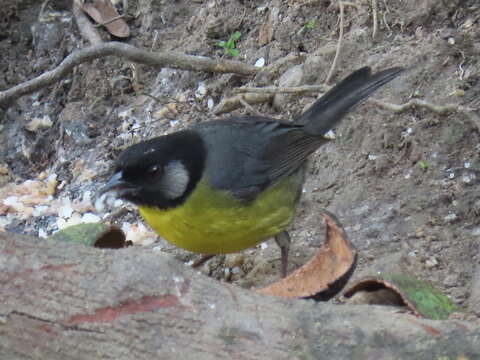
x=159 y=172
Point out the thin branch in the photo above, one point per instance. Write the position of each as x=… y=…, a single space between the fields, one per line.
x=282 y=90
x=281 y=65
x=109 y=21
x=339 y=45
x=437 y=109
x=349 y=3
x=248 y=106
x=133 y=54
x=412 y=103
x=375 y=20
x=236 y=102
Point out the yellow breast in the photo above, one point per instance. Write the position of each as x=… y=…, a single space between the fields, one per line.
x=214 y=222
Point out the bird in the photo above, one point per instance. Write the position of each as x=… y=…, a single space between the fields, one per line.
x=222 y=186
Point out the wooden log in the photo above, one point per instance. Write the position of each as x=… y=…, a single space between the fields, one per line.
x=67 y=301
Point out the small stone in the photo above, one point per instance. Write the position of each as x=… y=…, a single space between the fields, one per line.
x=90 y=218
x=431 y=263
x=37 y=124
x=419 y=233
x=66 y=210
x=42 y=233
x=451 y=280
x=260 y=62
x=234 y=260
x=210 y=103
x=330 y=135
x=451 y=217
x=201 y=91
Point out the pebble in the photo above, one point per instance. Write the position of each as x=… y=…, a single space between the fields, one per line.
x=201 y=91
x=260 y=62
x=66 y=210
x=451 y=217
x=210 y=103
x=451 y=280
x=430 y=263
x=233 y=260
x=90 y=218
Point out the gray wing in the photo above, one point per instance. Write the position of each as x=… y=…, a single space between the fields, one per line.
x=246 y=155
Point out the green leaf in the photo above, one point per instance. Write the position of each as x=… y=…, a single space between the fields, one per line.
x=96 y=234
x=426 y=299
x=234 y=52
x=236 y=35
x=222 y=44
x=311 y=23
x=230 y=44
x=424 y=165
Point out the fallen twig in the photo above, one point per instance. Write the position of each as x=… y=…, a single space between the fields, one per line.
x=375 y=21
x=233 y=103
x=109 y=21
x=397 y=108
x=282 y=90
x=281 y=65
x=339 y=45
x=248 y=106
x=133 y=54
x=437 y=109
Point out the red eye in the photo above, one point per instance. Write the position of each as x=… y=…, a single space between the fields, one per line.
x=153 y=172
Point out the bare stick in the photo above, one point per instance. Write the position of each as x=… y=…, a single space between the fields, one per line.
x=412 y=103
x=437 y=109
x=133 y=54
x=248 y=106
x=282 y=90
x=375 y=21
x=349 y=3
x=339 y=45
x=109 y=21
x=236 y=102
x=86 y=28
x=280 y=65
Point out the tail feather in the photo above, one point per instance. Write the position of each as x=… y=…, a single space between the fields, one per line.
x=327 y=111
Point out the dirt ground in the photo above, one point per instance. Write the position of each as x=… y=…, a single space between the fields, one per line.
x=405 y=186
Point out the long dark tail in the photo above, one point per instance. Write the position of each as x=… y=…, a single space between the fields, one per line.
x=324 y=114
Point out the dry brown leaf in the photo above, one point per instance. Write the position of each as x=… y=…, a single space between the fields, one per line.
x=326 y=273
x=103 y=11
x=265 y=34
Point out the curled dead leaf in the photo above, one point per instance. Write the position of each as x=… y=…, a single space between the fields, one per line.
x=93 y=234
x=420 y=297
x=105 y=13
x=326 y=273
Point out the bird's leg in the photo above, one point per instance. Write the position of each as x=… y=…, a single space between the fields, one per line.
x=202 y=260
x=283 y=241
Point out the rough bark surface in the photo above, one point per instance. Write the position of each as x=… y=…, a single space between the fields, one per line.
x=65 y=301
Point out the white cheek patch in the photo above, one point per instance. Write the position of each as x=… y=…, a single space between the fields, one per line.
x=174 y=180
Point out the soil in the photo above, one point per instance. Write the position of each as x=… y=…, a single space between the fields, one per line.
x=405 y=186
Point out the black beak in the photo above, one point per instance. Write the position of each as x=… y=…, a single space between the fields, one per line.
x=115 y=183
